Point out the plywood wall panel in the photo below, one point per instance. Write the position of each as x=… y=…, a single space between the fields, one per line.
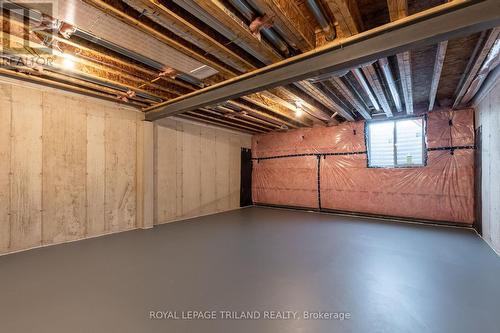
x=120 y=184
x=5 y=123
x=64 y=169
x=96 y=167
x=208 y=170
x=166 y=172
x=191 y=170
x=26 y=166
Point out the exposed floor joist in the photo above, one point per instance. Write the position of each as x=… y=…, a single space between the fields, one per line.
x=118 y=9
x=201 y=119
x=476 y=61
x=65 y=86
x=391 y=83
x=362 y=110
x=296 y=33
x=347 y=15
x=311 y=98
x=436 y=74
x=346 y=12
x=223 y=11
x=241 y=105
x=234 y=119
x=358 y=75
x=373 y=79
x=288 y=19
x=435 y=25
x=219 y=11
x=246 y=118
x=398 y=9
x=272 y=100
x=161 y=9
x=268 y=101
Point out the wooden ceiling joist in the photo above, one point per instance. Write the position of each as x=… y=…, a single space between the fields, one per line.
x=267 y=101
x=288 y=108
x=98 y=67
x=251 y=109
x=237 y=118
x=83 y=74
x=346 y=14
x=71 y=87
x=118 y=9
x=288 y=19
x=404 y=66
x=391 y=83
x=227 y=110
x=161 y=8
x=360 y=107
x=293 y=94
x=398 y=9
x=374 y=81
x=339 y=106
x=203 y=114
x=196 y=31
x=118 y=63
x=349 y=22
x=225 y=16
x=113 y=92
x=484 y=46
x=358 y=75
x=450 y=20
x=314 y=93
x=199 y=119
x=436 y=73
x=220 y=12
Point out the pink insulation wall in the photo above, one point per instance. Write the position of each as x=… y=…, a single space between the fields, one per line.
x=326 y=168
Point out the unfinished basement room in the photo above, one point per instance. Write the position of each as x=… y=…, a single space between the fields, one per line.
x=250 y=166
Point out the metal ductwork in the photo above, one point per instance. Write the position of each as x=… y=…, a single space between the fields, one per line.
x=246 y=9
x=323 y=21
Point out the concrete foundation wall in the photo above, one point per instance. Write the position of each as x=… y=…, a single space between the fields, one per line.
x=68 y=166
x=197 y=169
x=488 y=117
x=74 y=167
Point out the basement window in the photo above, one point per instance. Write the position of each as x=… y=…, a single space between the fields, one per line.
x=396 y=143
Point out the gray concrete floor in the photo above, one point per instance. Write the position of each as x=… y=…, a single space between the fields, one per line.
x=390 y=277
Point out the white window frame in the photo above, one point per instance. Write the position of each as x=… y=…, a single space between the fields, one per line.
x=394 y=143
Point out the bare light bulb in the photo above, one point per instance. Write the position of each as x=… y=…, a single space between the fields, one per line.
x=68 y=62
x=298 y=110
